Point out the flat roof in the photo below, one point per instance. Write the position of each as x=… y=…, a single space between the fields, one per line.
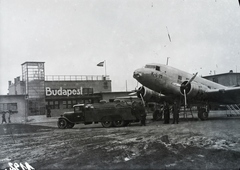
x=32 y=62
x=222 y=74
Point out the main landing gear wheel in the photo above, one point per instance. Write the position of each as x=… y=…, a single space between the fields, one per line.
x=203 y=114
x=118 y=123
x=62 y=124
x=107 y=124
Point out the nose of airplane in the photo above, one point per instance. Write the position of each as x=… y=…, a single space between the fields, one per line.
x=137 y=74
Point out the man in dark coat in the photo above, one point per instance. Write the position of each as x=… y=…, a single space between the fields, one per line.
x=4 y=118
x=48 y=111
x=175 y=113
x=166 y=113
x=143 y=117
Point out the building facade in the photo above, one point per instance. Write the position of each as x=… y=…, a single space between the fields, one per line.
x=17 y=104
x=62 y=92
x=226 y=79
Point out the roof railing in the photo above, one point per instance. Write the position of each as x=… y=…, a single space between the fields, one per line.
x=76 y=77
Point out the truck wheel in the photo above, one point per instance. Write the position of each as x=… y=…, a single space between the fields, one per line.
x=107 y=124
x=119 y=123
x=70 y=125
x=62 y=124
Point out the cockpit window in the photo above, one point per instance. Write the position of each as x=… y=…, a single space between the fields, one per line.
x=150 y=66
x=154 y=67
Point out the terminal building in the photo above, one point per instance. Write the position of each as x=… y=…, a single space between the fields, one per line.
x=36 y=91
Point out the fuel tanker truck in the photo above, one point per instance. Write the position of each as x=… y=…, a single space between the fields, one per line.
x=108 y=114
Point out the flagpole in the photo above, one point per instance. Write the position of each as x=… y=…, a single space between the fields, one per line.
x=105 y=64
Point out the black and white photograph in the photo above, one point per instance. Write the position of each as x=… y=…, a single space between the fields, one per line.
x=119 y=84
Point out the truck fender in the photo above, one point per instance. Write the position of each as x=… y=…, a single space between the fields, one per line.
x=65 y=119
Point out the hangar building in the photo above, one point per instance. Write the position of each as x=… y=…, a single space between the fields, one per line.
x=226 y=79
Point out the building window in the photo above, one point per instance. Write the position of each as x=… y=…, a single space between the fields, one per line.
x=88 y=101
x=74 y=102
x=87 y=91
x=8 y=106
x=179 y=77
x=65 y=104
x=68 y=104
x=80 y=101
x=157 y=68
x=54 y=104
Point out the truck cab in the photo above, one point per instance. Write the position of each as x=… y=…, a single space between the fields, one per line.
x=68 y=119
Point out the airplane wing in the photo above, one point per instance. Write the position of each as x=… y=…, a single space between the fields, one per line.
x=229 y=95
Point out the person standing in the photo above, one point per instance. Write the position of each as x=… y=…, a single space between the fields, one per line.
x=4 y=118
x=9 y=116
x=143 y=117
x=48 y=111
x=175 y=113
x=166 y=113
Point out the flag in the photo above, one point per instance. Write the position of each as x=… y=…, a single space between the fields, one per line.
x=100 y=64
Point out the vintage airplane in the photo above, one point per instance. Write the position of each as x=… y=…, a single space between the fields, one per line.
x=165 y=83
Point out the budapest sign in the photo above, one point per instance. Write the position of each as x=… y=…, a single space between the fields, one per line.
x=63 y=92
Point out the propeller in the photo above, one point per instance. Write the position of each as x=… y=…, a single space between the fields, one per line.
x=142 y=100
x=184 y=87
x=134 y=92
x=185 y=98
x=191 y=79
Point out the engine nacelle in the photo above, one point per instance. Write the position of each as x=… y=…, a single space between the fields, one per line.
x=148 y=94
x=193 y=90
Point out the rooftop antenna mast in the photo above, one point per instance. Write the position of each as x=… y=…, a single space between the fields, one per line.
x=167 y=60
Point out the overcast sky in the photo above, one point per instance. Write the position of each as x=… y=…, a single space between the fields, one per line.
x=73 y=36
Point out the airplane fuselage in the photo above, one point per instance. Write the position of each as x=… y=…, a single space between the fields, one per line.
x=167 y=80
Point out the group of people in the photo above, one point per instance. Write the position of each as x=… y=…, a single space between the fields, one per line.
x=175 y=112
x=4 y=116
x=166 y=110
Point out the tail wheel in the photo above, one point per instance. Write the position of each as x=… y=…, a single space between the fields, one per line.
x=119 y=123
x=62 y=124
x=107 y=124
x=203 y=114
